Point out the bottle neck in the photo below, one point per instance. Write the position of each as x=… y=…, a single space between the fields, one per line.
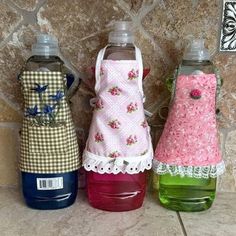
x=121 y=45
x=189 y=67
x=196 y=62
x=120 y=51
x=44 y=58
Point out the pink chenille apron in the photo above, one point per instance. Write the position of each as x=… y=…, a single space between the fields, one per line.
x=189 y=143
x=119 y=139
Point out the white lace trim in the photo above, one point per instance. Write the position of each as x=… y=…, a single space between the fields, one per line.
x=212 y=171
x=130 y=165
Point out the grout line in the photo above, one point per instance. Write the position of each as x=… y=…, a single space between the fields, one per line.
x=39 y=5
x=23 y=11
x=14 y=106
x=29 y=16
x=95 y=34
x=144 y=10
x=125 y=7
x=9 y=37
x=166 y=59
x=11 y=125
x=9 y=187
x=24 y=19
x=181 y=223
x=136 y=19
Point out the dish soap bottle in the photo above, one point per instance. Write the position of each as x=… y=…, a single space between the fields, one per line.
x=187 y=157
x=119 y=149
x=49 y=157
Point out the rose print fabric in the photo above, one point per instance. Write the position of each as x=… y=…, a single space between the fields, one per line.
x=189 y=143
x=119 y=139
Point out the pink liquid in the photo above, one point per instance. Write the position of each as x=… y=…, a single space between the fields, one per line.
x=120 y=192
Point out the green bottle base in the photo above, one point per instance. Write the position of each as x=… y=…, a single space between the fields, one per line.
x=185 y=193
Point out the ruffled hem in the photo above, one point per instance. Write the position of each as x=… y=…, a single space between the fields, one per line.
x=211 y=171
x=130 y=165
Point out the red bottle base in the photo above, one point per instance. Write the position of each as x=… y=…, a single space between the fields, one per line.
x=116 y=192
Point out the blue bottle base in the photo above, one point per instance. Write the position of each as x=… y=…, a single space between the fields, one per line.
x=50 y=199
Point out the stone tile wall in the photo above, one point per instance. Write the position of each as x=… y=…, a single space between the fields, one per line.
x=82 y=26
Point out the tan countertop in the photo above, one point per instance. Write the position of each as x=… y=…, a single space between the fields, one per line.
x=80 y=219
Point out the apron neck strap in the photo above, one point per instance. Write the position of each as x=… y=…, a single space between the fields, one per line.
x=138 y=58
x=98 y=68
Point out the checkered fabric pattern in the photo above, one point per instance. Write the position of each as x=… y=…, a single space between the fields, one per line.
x=47 y=149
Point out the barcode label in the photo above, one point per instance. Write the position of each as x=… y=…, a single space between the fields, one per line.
x=50 y=183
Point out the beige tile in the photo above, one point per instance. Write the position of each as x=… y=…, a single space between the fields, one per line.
x=8 y=157
x=227 y=182
x=163 y=28
x=80 y=20
x=9 y=114
x=9 y=19
x=220 y=220
x=26 y=4
x=82 y=220
x=15 y=52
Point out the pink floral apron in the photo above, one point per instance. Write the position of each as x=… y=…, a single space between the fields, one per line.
x=119 y=139
x=189 y=143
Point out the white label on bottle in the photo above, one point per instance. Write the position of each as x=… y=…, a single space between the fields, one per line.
x=50 y=183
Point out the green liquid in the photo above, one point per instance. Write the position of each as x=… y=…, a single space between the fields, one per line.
x=185 y=193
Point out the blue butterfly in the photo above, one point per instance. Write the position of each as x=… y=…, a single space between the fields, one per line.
x=48 y=109
x=59 y=95
x=40 y=88
x=32 y=111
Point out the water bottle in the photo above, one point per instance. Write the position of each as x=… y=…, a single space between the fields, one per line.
x=111 y=185
x=188 y=171
x=54 y=188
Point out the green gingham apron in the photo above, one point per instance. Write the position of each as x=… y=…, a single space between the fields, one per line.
x=48 y=141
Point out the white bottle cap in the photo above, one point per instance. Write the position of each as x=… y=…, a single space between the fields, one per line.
x=46 y=45
x=122 y=32
x=196 y=51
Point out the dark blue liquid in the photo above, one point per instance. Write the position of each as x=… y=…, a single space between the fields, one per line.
x=69 y=80
x=50 y=199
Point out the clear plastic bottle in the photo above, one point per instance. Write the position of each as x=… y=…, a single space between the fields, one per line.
x=186 y=193
x=45 y=58
x=117 y=192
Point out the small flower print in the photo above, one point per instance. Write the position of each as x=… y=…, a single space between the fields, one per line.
x=114 y=124
x=144 y=124
x=57 y=97
x=131 y=140
x=133 y=74
x=195 y=94
x=32 y=112
x=99 y=137
x=114 y=154
x=40 y=88
x=132 y=107
x=115 y=91
x=99 y=104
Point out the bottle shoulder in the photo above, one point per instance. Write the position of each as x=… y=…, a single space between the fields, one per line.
x=41 y=63
x=190 y=67
x=120 y=52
